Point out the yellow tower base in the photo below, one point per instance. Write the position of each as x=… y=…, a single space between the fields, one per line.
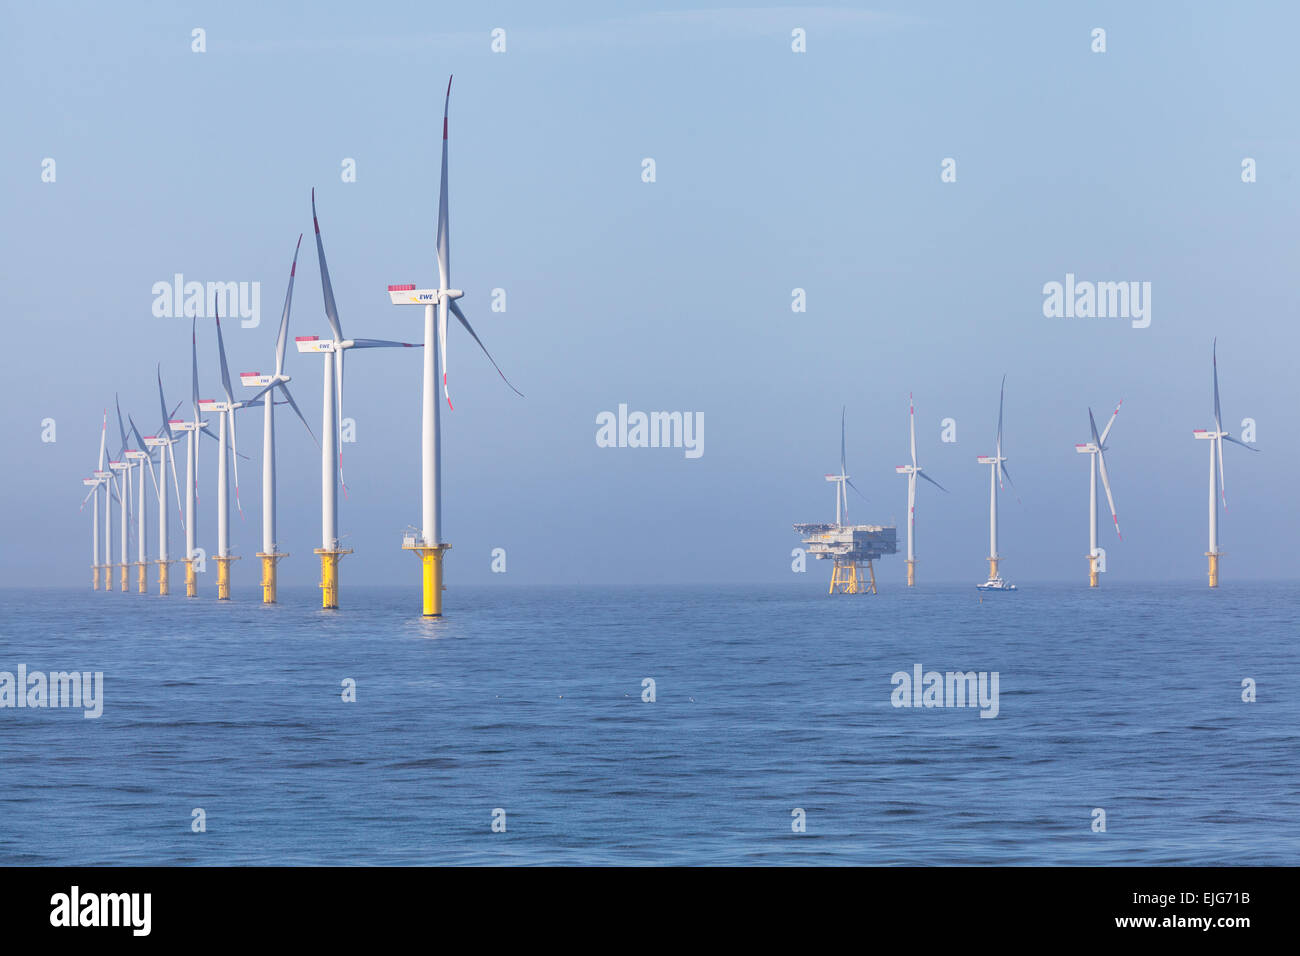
x=430 y=575
x=141 y=584
x=191 y=582
x=911 y=574
x=163 y=584
x=329 y=576
x=269 y=561
x=993 y=568
x=108 y=577
x=223 y=577
x=847 y=578
x=1214 y=567
x=122 y=577
x=1094 y=576
x=94 y=576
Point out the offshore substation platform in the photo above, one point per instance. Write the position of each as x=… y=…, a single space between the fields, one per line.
x=850 y=546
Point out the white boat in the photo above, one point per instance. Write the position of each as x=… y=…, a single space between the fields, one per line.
x=996 y=584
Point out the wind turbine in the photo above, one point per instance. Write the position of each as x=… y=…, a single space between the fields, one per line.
x=1216 y=439
x=842 y=480
x=192 y=429
x=164 y=442
x=997 y=471
x=270 y=553
x=1095 y=448
x=331 y=422
x=228 y=450
x=94 y=483
x=913 y=471
x=429 y=544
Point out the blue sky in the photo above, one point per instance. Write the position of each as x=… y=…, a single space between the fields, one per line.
x=775 y=170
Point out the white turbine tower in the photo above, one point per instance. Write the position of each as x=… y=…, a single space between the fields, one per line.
x=429 y=544
x=1216 y=439
x=165 y=442
x=997 y=471
x=1095 y=448
x=270 y=553
x=331 y=422
x=913 y=471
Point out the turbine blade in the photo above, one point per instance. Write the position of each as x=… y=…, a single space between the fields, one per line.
x=384 y=344
x=162 y=406
x=103 y=438
x=844 y=468
x=176 y=481
x=1110 y=500
x=444 y=239
x=1110 y=424
x=331 y=310
x=1214 y=358
x=282 y=339
x=1223 y=489
x=468 y=328
x=221 y=354
x=911 y=419
x=1092 y=423
x=234 y=455
x=1237 y=441
x=442 y=351
x=931 y=480
x=121 y=428
x=850 y=483
x=1001 y=399
x=294 y=405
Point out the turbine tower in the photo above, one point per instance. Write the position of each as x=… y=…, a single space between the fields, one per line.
x=1216 y=439
x=997 y=471
x=1097 y=462
x=913 y=471
x=331 y=422
x=270 y=553
x=429 y=544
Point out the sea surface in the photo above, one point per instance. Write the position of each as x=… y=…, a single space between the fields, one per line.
x=767 y=700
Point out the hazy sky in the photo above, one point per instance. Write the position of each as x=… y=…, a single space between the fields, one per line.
x=774 y=170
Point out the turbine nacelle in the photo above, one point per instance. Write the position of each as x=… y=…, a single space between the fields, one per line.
x=989 y=459
x=258 y=380
x=1087 y=448
x=213 y=405
x=408 y=294
x=134 y=455
x=1207 y=433
x=314 y=343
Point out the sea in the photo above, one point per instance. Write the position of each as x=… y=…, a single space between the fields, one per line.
x=731 y=725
